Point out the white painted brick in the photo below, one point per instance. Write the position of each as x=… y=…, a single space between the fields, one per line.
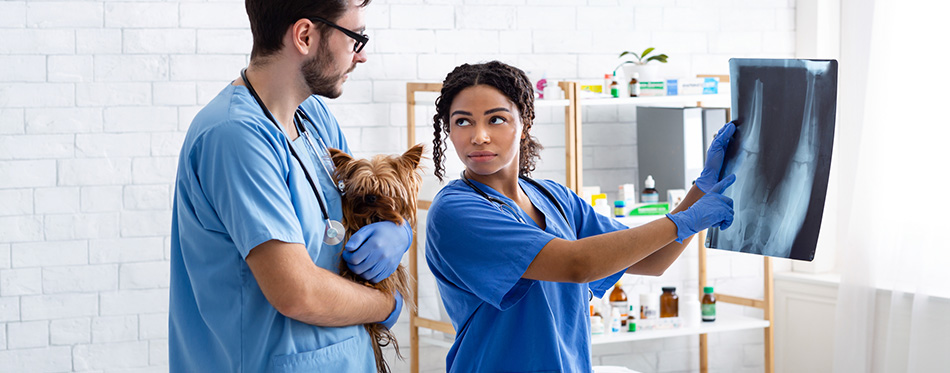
x=422 y=17
x=647 y=19
x=394 y=41
x=80 y=279
x=33 y=41
x=207 y=91
x=546 y=17
x=434 y=67
x=94 y=171
x=70 y=69
x=126 y=250
x=29 y=173
x=70 y=331
x=221 y=68
x=515 y=41
x=16 y=202
x=5 y=255
x=606 y=42
x=167 y=143
x=61 y=14
x=113 y=94
x=23 y=68
x=147 y=197
x=131 y=68
x=389 y=91
x=146 y=223
x=37 y=94
x=12 y=121
x=59 y=200
x=556 y=66
x=147 y=275
x=363 y=115
x=63 y=120
x=28 y=334
x=25 y=281
x=174 y=93
x=36 y=146
x=140 y=119
x=390 y=66
x=383 y=140
x=46 y=359
x=605 y=18
x=466 y=41
x=735 y=42
x=691 y=19
x=141 y=15
x=748 y=19
x=3 y=339
x=12 y=14
x=562 y=41
x=101 y=198
x=60 y=306
x=115 y=329
x=110 y=356
x=112 y=145
x=680 y=42
x=158 y=41
x=229 y=41
x=214 y=15
x=21 y=228
x=158 y=352
x=49 y=253
x=481 y=17
x=9 y=309
x=99 y=41
x=82 y=226
x=359 y=91
x=153 y=326
x=778 y=42
x=785 y=19
x=167 y=248
x=154 y=170
x=131 y=302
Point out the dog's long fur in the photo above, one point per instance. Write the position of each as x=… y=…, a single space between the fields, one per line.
x=381 y=189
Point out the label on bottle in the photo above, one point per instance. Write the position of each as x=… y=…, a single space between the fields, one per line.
x=709 y=312
x=622 y=306
x=650 y=198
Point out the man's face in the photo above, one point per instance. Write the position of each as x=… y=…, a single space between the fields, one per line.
x=326 y=71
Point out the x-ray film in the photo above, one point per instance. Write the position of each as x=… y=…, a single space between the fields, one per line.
x=780 y=154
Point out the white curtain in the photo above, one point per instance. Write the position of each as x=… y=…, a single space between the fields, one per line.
x=893 y=153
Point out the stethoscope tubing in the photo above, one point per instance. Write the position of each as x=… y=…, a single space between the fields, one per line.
x=517 y=216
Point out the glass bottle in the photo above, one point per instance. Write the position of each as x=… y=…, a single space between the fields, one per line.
x=618 y=299
x=709 y=304
x=635 y=85
x=669 y=302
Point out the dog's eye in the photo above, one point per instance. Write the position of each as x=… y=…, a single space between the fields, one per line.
x=369 y=199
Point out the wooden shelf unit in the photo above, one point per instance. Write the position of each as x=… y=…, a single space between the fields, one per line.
x=572 y=103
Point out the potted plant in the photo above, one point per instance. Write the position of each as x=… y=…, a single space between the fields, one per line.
x=641 y=65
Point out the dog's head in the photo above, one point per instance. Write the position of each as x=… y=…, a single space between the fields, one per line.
x=383 y=188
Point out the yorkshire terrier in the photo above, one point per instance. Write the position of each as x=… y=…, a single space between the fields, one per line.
x=383 y=188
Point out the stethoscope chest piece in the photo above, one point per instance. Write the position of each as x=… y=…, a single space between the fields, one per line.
x=334 y=233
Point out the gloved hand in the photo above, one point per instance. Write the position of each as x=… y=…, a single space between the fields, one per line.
x=712 y=210
x=715 y=157
x=393 y=316
x=374 y=251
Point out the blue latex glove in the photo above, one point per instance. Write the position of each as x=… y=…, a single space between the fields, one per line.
x=393 y=316
x=374 y=251
x=715 y=157
x=712 y=210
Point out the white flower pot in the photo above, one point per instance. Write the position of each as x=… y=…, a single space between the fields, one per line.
x=648 y=73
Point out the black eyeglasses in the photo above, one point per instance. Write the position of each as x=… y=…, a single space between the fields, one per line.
x=361 y=39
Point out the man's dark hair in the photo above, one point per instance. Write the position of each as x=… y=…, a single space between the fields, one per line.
x=270 y=20
x=512 y=82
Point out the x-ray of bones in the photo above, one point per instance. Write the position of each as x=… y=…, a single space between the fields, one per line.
x=778 y=173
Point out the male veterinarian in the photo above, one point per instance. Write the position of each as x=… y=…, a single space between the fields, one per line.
x=254 y=249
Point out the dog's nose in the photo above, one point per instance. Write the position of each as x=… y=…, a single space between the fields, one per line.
x=369 y=199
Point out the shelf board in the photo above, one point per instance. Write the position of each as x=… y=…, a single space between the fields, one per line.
x=722 y=324
x=652 y=99
x=549 y=102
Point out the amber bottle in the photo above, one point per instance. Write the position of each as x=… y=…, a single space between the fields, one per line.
x=618 y=299
x=669 y=302
x=709 y=304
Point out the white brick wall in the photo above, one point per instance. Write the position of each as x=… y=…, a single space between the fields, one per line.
x=95 y=97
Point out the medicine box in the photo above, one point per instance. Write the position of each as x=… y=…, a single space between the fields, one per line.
x=692 y=86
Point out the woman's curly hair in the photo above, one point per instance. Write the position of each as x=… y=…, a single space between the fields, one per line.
x=512 y=82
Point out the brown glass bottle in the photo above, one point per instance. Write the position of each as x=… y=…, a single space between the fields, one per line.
x=669 y=302
x=618 y=299
x=709 y=304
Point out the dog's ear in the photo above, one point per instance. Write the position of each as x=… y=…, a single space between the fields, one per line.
x=339 y=157
x=413 y=156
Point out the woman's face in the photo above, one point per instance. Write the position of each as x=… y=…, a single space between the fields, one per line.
x=486 y=129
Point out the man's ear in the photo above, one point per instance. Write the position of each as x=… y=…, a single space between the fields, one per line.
x=302 y=35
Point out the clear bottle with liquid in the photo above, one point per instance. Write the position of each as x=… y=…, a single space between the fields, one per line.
x=649 y=194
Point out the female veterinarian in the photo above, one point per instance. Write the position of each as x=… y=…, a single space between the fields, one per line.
x=517 y=259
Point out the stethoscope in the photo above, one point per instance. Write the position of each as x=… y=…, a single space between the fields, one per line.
x=335 y=231
x=517 y=216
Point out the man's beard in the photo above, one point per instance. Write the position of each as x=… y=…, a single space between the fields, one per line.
x=319 y=76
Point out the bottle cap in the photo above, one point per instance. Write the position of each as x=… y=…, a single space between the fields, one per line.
x=669 y=288
x=619 y=284
x=708 y=289
x=649 y=183
x=619 y=203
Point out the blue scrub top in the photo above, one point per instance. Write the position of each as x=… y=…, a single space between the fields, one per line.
x=238 y=186
x=478 y=252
